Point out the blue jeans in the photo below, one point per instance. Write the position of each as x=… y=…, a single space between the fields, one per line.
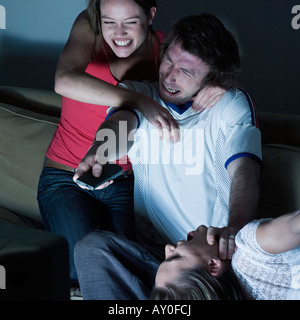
x=72 y=212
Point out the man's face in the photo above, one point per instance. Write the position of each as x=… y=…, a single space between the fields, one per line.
x=180 y=75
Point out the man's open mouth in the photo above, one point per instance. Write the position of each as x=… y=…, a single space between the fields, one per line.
x=171 y=90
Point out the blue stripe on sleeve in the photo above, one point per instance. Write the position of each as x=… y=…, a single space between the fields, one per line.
x=243 y=154
x=121 y=109
x=252 y=108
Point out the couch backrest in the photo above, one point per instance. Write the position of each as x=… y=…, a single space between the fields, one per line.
x=37 y=100
x=280 y=179
x=279 y=128
x=24 y=138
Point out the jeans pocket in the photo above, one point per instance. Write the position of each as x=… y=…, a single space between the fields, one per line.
x=52 y=179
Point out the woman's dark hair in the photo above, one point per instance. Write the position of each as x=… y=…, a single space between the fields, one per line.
x=93 y=11
x=206 y=37
x=199 y=284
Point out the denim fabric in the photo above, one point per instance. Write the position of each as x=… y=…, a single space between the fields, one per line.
x=72 y=212
x=111 y=267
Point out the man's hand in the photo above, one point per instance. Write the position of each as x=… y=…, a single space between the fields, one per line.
x=88 y=163
x=226 y=238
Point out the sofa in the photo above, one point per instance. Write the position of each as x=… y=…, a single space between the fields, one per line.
x=28 y=119
x=33 y=263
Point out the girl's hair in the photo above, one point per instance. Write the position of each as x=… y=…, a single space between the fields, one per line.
x=199 y=284
x=93 y=12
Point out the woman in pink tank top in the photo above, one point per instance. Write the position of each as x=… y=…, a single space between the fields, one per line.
x=112 y=40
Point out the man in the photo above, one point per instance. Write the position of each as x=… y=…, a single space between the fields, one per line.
x=209 y=177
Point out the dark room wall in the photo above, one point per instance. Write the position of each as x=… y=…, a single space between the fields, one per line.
x=33 y=38
x=269 y=42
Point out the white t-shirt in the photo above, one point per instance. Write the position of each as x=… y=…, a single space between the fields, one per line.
x=179 y=187
x=266 y=276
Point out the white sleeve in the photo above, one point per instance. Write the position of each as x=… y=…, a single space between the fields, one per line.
x=240 y=127
x=111 y=110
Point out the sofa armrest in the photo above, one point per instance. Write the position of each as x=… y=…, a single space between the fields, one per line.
x=19 y=219
x=35 y=264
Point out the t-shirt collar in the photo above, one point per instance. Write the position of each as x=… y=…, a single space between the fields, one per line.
x=180 y=108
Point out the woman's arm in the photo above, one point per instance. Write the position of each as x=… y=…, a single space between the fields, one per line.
x=280 y=234
x=73 y=82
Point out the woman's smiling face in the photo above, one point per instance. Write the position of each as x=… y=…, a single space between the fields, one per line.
x=124 y=25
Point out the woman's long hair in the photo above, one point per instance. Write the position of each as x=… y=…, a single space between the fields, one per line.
x=199 y=284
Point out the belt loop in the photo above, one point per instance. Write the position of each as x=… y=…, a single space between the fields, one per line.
x=125 y=174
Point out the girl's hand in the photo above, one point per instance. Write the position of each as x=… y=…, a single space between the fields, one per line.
x=207 y=98
x=161 y=118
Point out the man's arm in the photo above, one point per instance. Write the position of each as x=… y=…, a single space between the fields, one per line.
x=108 y=146
x=244 y=175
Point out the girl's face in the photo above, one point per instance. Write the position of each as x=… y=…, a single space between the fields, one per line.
x=184 y=255
x=124 y=25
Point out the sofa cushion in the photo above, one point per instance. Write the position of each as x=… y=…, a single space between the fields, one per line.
x=9 y=216
x=280 y=181
x=24 y=138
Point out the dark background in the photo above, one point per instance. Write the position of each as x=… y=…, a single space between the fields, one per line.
x=36 y=31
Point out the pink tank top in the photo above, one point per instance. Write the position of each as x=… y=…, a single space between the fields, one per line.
x=80 y=121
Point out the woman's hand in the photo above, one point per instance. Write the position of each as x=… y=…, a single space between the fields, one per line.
x=161 y=118
x=207 y=98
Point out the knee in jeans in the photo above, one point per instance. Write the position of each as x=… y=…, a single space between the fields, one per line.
x=97 y=239
x=90 y=248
